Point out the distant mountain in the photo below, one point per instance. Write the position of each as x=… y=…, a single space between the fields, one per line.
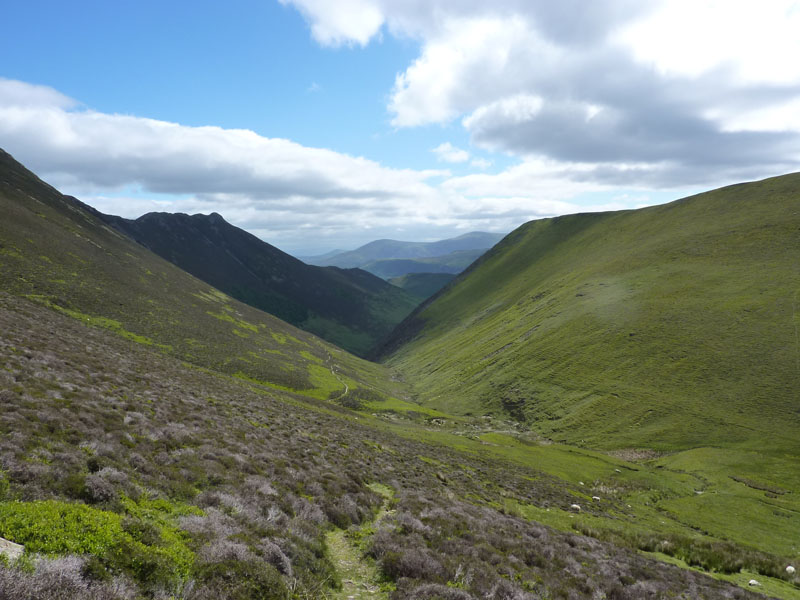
x=393 y=249
x=422 y=285
x=452 y=263
x=672 y=326
x=317 y=258
x=349 y=307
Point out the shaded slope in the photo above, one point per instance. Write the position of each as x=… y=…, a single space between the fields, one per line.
x=350 y=308
x=670 y=326
x=394 y=249
x=452 y=263
x=422 y=285
x=54 y=251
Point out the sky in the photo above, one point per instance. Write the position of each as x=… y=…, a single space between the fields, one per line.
x=322 y=125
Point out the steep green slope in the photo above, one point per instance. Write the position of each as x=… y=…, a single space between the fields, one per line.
x=348 y=307
x=667 y=327
x=422 y=285
x=63 y=256
x=394 y=249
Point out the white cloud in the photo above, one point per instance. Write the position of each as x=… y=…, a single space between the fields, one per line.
x=294 y=196
x=446 y=152
x=261 y=183
x=688 y=91
x=480 y=163
x=538 y=179
x=515 y=109
x=110 y=151
x=341 y=22
x=20 y=93
x=463 y=67
x=756 y=41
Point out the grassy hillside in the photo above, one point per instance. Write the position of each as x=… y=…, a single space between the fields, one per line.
x=127 y=474
x=62 y=256
x=422 y=285
x=159 y=439
x=668 y=327
x=394 y=249
x=347 y=307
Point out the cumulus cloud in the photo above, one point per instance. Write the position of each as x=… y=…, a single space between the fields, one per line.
x=274 y=184
x=446 y=152
x=110 y=151
x=341 y=22
x=279 y=189
x=660 y=94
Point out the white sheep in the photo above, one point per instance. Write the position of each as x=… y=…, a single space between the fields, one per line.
x=576 y=507
x=790 y=570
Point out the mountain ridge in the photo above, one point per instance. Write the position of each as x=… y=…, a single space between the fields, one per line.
x=387 y=249
x=348 y=307
x=62 y=255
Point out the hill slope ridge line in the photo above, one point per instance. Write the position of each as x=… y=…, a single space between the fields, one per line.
x=611 y=328
x=349 y=307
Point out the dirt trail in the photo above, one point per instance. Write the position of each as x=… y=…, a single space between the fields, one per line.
x=360 y=576
x=336 y=374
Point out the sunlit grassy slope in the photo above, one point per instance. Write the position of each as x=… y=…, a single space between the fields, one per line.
x=55 y=252
x=667 y=327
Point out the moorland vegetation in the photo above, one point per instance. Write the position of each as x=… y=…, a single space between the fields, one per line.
x=159 y=439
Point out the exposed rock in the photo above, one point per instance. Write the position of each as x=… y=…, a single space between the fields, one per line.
x=10 y=550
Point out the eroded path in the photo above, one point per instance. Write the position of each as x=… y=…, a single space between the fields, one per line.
x=335 y=373
x=360 y=576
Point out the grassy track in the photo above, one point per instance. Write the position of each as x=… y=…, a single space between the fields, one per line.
x=359 y=575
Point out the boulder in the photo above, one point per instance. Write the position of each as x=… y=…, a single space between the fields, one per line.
x=10 y=550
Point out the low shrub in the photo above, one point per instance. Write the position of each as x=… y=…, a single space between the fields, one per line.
x=240 y=580
x=142 y=545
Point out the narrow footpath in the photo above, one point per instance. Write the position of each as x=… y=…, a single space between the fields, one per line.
x=360 y=575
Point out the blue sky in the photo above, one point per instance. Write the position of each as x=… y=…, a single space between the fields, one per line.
x=321 y=125
x=241 y=64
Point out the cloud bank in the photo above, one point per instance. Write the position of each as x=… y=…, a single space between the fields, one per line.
x=612 y=99
x=285 y=192
x=658 y=94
